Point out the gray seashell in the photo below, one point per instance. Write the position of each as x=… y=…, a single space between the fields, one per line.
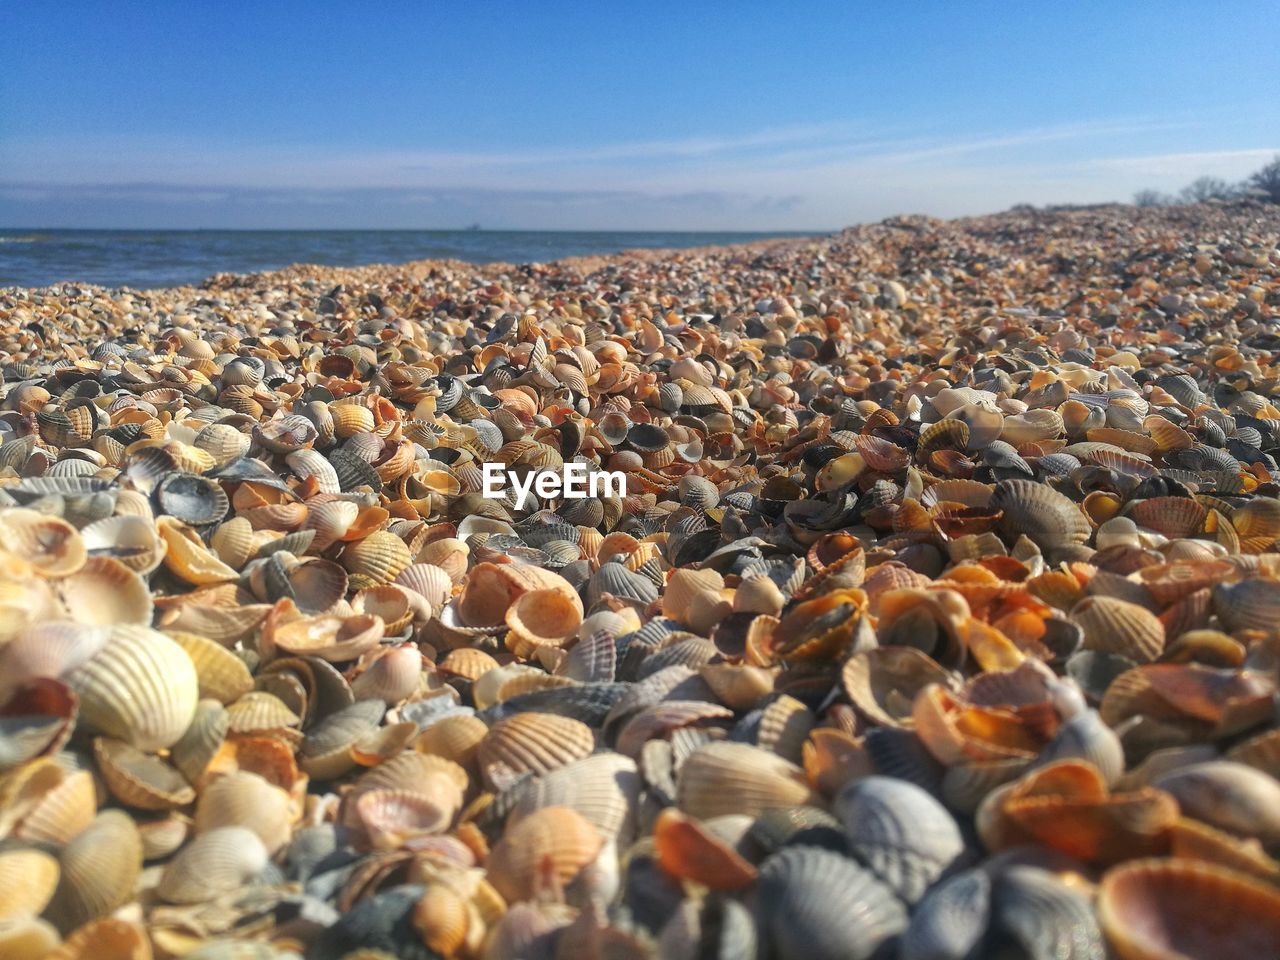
x=383 y=922
x=900 y=831
x=1044 y=919
x=1086 y=737
x=816 y=905
x=30 y=489
x=1228 y=795
x=583 y=513
x=899 y=753
x=488 y=434
x=587 y=702
x=616 y=580
x=950 y=921
x=593 y=660
x=692 y=652
x=353 y=472
x=796 y=826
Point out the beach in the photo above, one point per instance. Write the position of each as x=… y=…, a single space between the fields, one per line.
x=937 y=619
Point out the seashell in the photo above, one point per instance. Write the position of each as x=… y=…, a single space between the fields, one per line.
x=532 y=742
x=132 y=540
x=187 y=557
x=201 y=741
x=141 y=688
x=192 y=499
x=220 y=674
x=1142 y=908
x=332 y=638
x=98 y=871
x=258 y=712
x=63 y=812
x=544 y=617
x=724 y=778
x=456 y=738
x=139 y=779
x=390 y=818
x=1119 y=627
x=49 y=544
x=212 y=864
x=1039 y=513
x=326 y=750
x=49 y=649
x=1247 y=605
x=392 y=677
x=882 y=683
x=555 y=843
x=905 y=836
x=104 y=592
x=28 y=879
x=952 y=919
x=1227 y=795
x=378 y=558
x=813 y=903
x=245 y=799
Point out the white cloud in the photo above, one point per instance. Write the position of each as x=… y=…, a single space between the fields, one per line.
x=799 y=177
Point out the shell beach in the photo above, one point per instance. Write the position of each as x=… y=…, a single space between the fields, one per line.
x=939 y=620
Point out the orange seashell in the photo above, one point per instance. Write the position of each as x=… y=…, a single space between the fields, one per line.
x=1169 y=909
x=685 y=849
x=544 y=851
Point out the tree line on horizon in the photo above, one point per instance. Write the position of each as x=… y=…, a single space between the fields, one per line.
x=1262 y=185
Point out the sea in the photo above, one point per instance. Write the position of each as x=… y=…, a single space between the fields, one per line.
x=146 y=259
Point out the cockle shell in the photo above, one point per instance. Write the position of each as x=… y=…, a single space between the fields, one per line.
x=728 y=778
x=552 y=842
x=212 y=864
x=99 y=870
x=141 y=688
x=905 y=836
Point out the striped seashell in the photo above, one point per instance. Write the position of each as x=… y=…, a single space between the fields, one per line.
x=378 y=558
x=312 y=465
x=49 y=544
x=141 y=688
x=552 y=841
x=1117 y=626
x=258 y=712
x=736 y=778
x=187 y=556
x=533 y=743
x=245 y=799
x=99 y=869
x=214 y=863
x=456 y=738
x=202 y=740
x=28 y=879
x=63 y=812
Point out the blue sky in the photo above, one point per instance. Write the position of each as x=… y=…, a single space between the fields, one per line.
x=565 y=115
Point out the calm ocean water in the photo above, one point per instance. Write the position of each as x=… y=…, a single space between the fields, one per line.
x=161 y=258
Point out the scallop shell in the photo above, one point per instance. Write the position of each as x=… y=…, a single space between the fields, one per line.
x=735 y=778
x=99 y=869
x=213 y=864
x=1039 y=513
x=63 y=812
x=378 y=558
x=187 y=556
x=392 y=677
x=245 y=799
x=905 y=836
x=140 y=688
x=813 y=904
x=552 y=842
x=604 y=788
x=882 y=683
x=532 y=742
x=456 y=738
x=332 y=638
x=202 y=740
x=220 y=674
x=1119 y=627
x=192 y=499
x=28 y=879
x=1228 y=795
x=546 y=617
